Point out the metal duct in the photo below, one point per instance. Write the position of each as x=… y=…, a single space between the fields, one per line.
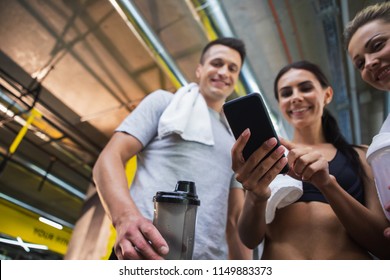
x=352 y=83
x=214 y=21
x=328 y=15
x=44 y=174
x=137 y=23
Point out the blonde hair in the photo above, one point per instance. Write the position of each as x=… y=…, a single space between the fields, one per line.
x=380 y=11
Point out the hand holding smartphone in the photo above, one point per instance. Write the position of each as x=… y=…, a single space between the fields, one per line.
x=250 y=112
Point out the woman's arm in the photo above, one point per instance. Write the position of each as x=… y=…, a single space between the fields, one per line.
x=237 y=250
x=365 y=224
x=255 y=175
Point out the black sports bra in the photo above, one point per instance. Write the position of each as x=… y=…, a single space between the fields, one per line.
x=348 y=179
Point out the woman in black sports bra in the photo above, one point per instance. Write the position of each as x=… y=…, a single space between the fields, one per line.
x=338 y=215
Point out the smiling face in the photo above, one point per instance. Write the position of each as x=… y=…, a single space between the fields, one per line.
x=369 y=49
x=302 y=98
x=218 y=74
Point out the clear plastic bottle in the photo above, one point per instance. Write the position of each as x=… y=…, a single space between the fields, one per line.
x=378 y=156
x=175 y=218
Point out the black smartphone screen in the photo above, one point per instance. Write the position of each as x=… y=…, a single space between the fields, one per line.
x=250 y=112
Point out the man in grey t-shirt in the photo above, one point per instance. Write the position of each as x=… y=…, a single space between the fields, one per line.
x=200 y=154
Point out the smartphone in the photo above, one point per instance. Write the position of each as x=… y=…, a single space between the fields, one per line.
x=250 y=112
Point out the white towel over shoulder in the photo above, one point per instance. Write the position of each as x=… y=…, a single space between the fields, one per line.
x=188 y=116
x=284 y=191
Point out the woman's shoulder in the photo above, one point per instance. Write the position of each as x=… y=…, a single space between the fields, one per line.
x=361 y=150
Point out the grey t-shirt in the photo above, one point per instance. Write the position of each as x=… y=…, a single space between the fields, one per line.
x=163 y=162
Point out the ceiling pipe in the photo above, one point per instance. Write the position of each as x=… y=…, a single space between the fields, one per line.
x=5 y=102
x=16 y=103
x=295 y=29
x=141 y=29
x=280 y=30
x=214 y=21
x=49 y=177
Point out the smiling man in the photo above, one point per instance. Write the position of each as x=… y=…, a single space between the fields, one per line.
x=181 y=136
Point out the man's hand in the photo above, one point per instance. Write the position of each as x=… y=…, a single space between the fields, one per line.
x=138 y=239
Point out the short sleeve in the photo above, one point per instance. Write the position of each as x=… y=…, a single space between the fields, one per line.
x=142 y=123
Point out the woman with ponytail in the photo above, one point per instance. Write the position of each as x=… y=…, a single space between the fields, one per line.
x=338 y=216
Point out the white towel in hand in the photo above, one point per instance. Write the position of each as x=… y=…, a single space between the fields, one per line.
x=284 y=191
x=188 y=116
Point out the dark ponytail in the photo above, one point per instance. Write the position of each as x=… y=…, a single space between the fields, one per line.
x=333 y=135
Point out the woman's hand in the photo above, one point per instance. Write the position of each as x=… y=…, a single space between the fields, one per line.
x=259 y=170
x=307 y=164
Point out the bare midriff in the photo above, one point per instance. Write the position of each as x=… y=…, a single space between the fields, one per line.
x=309 y=231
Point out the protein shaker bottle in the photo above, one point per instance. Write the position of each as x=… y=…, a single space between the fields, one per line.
x=175 y=218
x=378 y=156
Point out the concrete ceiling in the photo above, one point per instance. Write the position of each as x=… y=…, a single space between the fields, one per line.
x=79 y=64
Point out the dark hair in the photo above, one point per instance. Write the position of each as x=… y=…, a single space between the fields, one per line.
x=304 y=65
x=230 y=42
x=374 y=12
x=330 y=127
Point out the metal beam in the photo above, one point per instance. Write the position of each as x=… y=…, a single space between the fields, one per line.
x=141 y=29
x=35 y=210
x=352 y=82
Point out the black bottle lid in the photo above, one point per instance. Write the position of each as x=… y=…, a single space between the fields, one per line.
x=184 y=193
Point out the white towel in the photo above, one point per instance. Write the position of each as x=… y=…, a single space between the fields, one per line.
x=284 y=191
x=188 y=116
